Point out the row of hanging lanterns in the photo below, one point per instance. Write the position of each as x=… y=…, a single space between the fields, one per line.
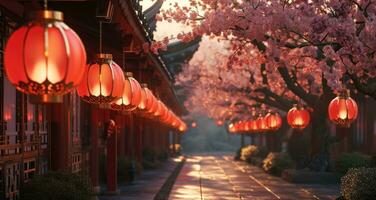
x=271 y=121
x=46 y=59
x=342 y=111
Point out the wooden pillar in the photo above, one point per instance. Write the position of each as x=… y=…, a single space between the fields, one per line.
x=120 y=135
x=112 y=163
x=173 y=143
x=60 y=135
x=94 y=150
x=241 y=140
x=138 y=127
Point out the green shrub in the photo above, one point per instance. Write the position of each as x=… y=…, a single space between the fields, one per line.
x=58 y=185
x=152 y=158
x=347 y=161
x=126 y=170
x=162 y=155
x=250 y=153
x=149 y=154
x=275 y=163
x=359 y=184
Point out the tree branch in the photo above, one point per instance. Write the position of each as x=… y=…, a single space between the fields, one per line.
x=296 y=88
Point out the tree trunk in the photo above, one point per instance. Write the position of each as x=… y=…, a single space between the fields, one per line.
x=320 y=134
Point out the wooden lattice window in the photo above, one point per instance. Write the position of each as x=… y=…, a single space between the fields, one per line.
x=29 y=169
x=76 y=162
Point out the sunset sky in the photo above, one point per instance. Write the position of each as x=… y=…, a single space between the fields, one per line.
x=165 y=28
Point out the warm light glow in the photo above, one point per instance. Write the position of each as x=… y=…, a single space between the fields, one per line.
x=343 y=110
x=273 y=121
x=219 y=123
x=194 y=125
x=30 y=116
x=38 y=73
x=103 y=81
x=45 y=58
x=298 y=117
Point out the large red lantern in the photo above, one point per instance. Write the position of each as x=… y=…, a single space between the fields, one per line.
x=273 y=121
x=298 y=117
x=103 y=81
x=131 y=97
x=343 y=110
x=45 y=58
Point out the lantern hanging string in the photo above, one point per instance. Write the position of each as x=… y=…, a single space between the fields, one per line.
x=45 y=5
x=100 y=36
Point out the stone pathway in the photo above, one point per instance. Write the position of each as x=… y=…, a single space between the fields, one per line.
x=147 y=185
x=219 y=177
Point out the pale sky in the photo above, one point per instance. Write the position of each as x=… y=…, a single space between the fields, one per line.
x=165 y=28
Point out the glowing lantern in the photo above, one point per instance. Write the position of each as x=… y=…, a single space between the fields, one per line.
x=298 y=117
x=252 y=125
x=273 y=121
x=261 y=123
x=159 y=109
x=45 y=58
x=147 y=101
x=219 y=122
x=164 y=112
x=343 y=110
x=131 y=97
x=103 y=81
x=194 y=125
x=231 y=128
x=182 y=127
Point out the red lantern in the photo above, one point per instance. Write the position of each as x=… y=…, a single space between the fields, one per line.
x=231 y=128
x=103 y=81
x=273 y=121
x=45 y=58
x=147 y=100
x=159 y=109
x=131 y=97
x=261 y=123
x=219 y=122
x=194 y=125
x=182 y=127
x=343 y=110
x=252 y=124
x=298 y=117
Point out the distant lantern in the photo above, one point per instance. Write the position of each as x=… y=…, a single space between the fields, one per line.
x=298 y=117
x=252 y=124
x=45 y=58
x=219 y=122
x=343 y=110
x=182 y=127
x=193 y=124
x=261 y=123
x=231 y=128
x=103 y=81
x=273 y=121
x=131 y=97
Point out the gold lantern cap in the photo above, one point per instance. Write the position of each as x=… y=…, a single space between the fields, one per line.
x=47 y=15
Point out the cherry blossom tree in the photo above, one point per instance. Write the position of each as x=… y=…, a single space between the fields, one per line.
x=279 y=51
